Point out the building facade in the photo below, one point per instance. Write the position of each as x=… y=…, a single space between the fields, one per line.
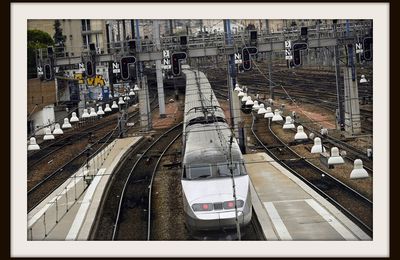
x=78 y=33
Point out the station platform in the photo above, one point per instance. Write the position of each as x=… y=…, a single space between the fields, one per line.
x=288 y=209
x=61 y=216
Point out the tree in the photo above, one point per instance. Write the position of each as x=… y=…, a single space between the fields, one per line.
x=36 y=40
x=59 y=38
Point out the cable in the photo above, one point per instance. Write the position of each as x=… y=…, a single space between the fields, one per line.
x=280 y=85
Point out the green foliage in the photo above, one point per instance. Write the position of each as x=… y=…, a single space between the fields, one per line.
x=36 y=40
x=39 y=38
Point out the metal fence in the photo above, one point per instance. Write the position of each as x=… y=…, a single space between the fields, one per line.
x=41 y=224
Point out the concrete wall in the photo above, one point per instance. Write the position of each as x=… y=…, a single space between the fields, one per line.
x=43 y=118
x=40 y=94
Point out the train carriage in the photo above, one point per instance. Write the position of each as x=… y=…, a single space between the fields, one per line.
x=209 y=160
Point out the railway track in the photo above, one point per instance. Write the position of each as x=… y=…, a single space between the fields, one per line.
x=330 y=141
x=40 y=189
x=353 y=152
x=354 y=205
x=49 y=147
x=51 y=182
x=133 y=214
x=55 y=145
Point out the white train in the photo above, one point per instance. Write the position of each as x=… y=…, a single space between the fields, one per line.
x=207 y=162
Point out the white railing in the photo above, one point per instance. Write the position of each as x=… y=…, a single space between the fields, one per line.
x=42 y=222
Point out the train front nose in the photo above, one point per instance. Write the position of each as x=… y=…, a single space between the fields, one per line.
x=214 y=220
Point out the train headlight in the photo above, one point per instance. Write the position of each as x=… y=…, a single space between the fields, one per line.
x=231 y=204
x=202 y=207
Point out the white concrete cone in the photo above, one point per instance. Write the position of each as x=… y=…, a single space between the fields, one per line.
x=249 y=102
x=277 y=116
x=66 y=124
x=85 y=113
x=57 y=130
x=74 y=118
x=237 y=88
x=317 y=147
x=107 y=109
x=300 y=135
x=363 y=79
x=256 y=106
x=269 y=113
x=121 y=101
x=288 y=123
x=33 y=145
x=358 y=171
x=261 y=110
x=48 y=135
x=114 y=104
x=100 y=110
x=92 y=112
x=335 y=157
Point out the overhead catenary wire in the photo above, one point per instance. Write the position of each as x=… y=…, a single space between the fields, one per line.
x=275 y=84
x=227 y=151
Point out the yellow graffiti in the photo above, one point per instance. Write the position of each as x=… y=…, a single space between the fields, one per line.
x=98 y=80
x=80 y=78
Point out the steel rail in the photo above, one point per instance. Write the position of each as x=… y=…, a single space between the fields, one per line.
x=364 y=226
x=129 y=176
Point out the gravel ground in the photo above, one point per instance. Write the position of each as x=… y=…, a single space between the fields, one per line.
x=341 y=172
x=167 y=203
x=55 y=161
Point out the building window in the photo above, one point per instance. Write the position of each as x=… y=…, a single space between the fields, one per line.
x=85 y=25
x=97 y=40
x=85 y=41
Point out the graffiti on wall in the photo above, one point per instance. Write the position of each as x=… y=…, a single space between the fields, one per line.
x=95 y=81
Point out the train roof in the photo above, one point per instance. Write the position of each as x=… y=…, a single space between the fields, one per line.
x=203 y=141
x=200 y=99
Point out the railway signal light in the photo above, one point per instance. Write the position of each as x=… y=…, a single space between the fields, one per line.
x=132 y=45
x=183 y=40
x=246 y=52
x=253 y=35
x=297 y=48
x=50 y=51
x=176 y=62
x=48 y=73
x=304 y=31
x=367 y=44
x=126 y=62
x=90 y=68
x=253 y=38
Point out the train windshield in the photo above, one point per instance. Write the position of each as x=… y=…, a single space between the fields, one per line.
x=224 y=169
x=199 y=171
